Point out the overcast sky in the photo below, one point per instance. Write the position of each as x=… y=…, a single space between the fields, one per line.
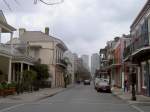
x=84 y=25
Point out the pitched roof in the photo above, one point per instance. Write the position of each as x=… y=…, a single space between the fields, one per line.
x=2 y=17
x=35 y=36
x=4 y=25
x=38 y=36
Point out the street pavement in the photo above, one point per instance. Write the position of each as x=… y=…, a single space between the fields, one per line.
x=78 y=99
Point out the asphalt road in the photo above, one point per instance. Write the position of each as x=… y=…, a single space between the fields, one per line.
x=78 y=99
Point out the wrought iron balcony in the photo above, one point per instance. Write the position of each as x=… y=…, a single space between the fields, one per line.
x=127 y=51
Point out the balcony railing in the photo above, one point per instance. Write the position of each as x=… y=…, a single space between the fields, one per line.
x=141 y=42
x=142 y=37
x=5 y=49
x=127 y=51
x=61 y=63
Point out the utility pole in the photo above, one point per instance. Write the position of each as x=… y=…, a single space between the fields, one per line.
x=133 y=75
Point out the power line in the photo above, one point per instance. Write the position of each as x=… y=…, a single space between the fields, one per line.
x=46 y=3
x=16 y=1
x=7 y=4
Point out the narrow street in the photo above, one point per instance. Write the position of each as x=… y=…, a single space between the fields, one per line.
x=78 y=99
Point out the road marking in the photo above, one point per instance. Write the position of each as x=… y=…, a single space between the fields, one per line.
x=137 y=108
x=12 y=107
x=97 y=103
x=19 y=105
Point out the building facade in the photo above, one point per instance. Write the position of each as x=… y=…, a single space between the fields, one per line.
x=46 y=50
x=95 y=61
x=85 y=59
x=140 y=49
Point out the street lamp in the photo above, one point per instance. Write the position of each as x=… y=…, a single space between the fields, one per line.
x=133 y=82
x=133 y=76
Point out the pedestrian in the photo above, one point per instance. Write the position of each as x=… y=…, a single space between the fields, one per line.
x=125 y=86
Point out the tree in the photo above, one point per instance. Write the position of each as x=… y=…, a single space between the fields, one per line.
x=29 y=76
x=42 y=71
x=42 y=74
x=82 y=73
x=67 y=62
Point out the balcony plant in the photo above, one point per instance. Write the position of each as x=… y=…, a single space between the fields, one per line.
x=12 y=87
x=7 y=89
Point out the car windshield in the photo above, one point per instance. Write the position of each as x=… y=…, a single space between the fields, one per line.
x=103 y=82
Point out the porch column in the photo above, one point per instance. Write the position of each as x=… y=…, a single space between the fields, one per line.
x=21 y=70
x=9 y=71
x=0 y=34
x=28 y=67
x=13 y=71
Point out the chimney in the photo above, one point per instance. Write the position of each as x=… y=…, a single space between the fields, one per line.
x=47 y=30
x=21 y=31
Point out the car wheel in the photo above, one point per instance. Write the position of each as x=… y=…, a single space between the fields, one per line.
x=109 y=91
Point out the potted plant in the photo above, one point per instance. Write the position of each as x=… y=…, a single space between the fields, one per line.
x=5 y=88
x=12 y=88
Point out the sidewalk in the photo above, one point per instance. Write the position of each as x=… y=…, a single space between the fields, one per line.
x=127 y=97
x=33 y=96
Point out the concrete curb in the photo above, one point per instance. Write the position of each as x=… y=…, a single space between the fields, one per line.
x=117 y=96
x=130 y=102
x=53 y=94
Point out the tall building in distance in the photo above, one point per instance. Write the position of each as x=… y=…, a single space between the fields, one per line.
x=85 y=59
x=75 y=57
x=95 y=63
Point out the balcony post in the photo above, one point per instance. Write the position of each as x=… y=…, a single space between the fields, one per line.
x=28 y=67
x=9 y=70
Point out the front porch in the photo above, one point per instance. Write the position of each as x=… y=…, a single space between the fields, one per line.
x=11 y=67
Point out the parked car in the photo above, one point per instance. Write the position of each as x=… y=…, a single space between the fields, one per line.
x=96 y=81
x=87 y=82
x=104 y=86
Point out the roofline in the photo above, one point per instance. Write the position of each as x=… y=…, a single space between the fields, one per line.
x=54 y=38
x=3 y=16
x=8 y=26
x=141 y=14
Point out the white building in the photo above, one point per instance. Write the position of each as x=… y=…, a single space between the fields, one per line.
x=13 y=58
x=85 y=59
x=46 y=50
x=95 y=62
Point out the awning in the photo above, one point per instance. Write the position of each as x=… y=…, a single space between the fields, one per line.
x=141 y=51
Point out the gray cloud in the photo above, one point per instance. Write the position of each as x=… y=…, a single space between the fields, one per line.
x=84 y=25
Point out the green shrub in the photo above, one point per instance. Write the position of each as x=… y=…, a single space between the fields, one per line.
x=11 y=85
x=5 y=85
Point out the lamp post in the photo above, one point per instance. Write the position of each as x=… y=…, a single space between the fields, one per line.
x=133 y=79
x=133 y=76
